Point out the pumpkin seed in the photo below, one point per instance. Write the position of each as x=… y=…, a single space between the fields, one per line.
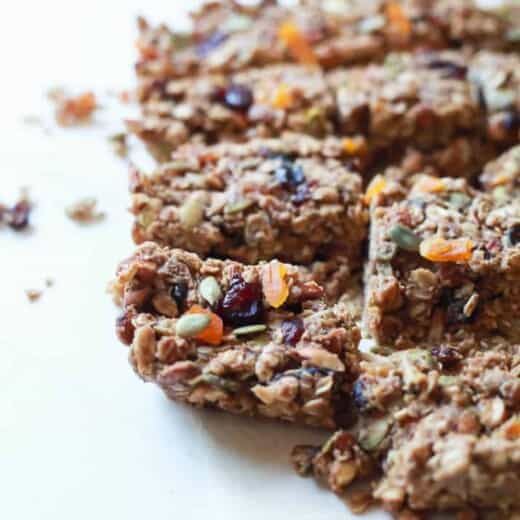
x=219 y=382
x=191 y=324
x=375 y=434
x=404 y=237
x=459 y=200
x=500 y=194
x=238 y=206
x=249 y=329
x=448 y=380
x=210 y=290
x=191 y=212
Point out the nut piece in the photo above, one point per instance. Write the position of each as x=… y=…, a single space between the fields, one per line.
x=191 y=212
x=249 y=329
x=191 y=324
x=210 y=290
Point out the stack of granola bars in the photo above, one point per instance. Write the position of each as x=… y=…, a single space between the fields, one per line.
x=332 y=237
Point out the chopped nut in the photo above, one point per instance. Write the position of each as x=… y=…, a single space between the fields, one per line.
x=84 y=211
x=33 y=295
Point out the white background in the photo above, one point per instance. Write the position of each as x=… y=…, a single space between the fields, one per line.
x=80 y=436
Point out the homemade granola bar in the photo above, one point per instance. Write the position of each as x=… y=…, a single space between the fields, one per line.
x=265 y=199
x=228 y=36
x=441 y=422
x=443 y=260
x=255 y=340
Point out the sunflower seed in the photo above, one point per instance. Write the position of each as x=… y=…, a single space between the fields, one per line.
x=249 y=329
x=191 y=212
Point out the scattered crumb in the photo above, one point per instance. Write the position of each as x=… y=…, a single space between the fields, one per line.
x=119 y=144
x=49 y=282
x=84 y=211
x=72 y=110
x=125 y=96
x=17 y=216
x=33 y=295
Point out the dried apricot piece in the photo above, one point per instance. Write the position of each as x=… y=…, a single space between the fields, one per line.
x=213 y=333
x=376 y=186
x=274 y=285
x=355 y=145
x=438 y=249
x=398 y=19
x=75 y=110
x=512 y=431
x=299 y=47
x=283 y=97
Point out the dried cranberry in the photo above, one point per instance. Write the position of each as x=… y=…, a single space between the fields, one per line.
x=238 y=97
x=125 y=329
x=454 y=309
x=303 y=194
x=513 y=234
x=451 y=69
x=242 y=303
x=292 y=331
x=510 y=122
x=211 y=43
x=359 y=395
x=448 y=357
x=289 y=174
x=179 y=292
x=18 y=216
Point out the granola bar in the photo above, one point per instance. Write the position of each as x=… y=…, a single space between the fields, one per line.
x=444 y=260
x=502 y=177
x=228 y=36
x=266 y=199
x=441 y=424
x=254 y=340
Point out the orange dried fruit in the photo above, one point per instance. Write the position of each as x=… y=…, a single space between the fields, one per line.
x=274 y=284
x=398 y=19
x=376 y=186
x=299 y=47
x=427 y=184
x=75 y=110
x=438 y=249
x=355 y=145
x=283 y=97
x=213 y=333
x=512 y=431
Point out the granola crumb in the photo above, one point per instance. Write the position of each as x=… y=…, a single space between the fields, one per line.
x=33 y=295
x=72 y=110
x=17 y=217
x=49 y=282
x=84 y=211
x=119 y=144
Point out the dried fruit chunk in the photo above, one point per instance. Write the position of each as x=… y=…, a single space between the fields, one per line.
x=242 y=303
x=376 y=186
x=292 y=331
x=295 y=41
x=283 y=97
x=355 y=146
x=274 y=285
x=213 y=331
x=75 y=110
x=398 y=19
x=438 y=249
x=427 y=184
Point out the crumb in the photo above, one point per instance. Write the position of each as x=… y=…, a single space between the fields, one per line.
x=49 y=282
x=125 y=96
x=84 y=211
x=17 y=217
x=33 y=295
x=73 y=110
x=32 y=120
x=119 y=144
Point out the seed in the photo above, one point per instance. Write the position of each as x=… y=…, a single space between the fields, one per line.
x=459 y=200
x=250 y=329
x=191 y=324
x=213 y=380
x=191 y=212
x=404 y=237
x=210 y=290
x=375 y=434
x=238 y=206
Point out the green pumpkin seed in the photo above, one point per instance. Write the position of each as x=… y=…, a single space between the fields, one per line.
x=375 y=434
x=404 y=237
x=191 y=212
x=448 y=380
x=210 y=290
x=238 y=206
x=191 y=324
x=213 y=380
x=500 y=194
x=249 y=329
x=459 y=200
